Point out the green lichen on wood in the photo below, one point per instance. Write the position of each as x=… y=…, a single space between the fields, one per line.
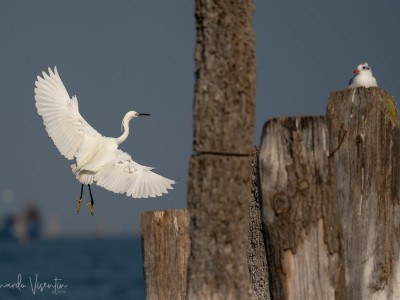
x=391 y=103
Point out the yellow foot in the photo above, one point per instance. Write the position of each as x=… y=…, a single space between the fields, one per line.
x=91 y=208
x=79 y=205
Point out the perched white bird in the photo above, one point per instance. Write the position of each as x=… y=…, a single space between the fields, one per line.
x=362 y=77
x=98 y=158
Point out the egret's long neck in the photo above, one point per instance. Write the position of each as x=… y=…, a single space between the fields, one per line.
x=125 y=125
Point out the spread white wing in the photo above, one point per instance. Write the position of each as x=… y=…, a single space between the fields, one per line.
x=123 y=175
x=60 y=114
x=115 y=170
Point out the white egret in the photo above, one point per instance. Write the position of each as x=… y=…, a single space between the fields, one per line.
x=98 y=159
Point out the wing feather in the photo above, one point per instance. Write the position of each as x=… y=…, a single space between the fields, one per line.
x=125 y=176
x=60 y=114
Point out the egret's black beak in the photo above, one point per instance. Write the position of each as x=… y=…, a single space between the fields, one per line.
x=141 y=114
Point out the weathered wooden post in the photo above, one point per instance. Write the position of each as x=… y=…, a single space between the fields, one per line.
x=330 y=200
x=166 y=247
x=219 y=181
x=299 y=214
x=256 y=252
x=364 y=128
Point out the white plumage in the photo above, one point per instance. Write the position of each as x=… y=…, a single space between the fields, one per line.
x=362 y=77
x=98 y=158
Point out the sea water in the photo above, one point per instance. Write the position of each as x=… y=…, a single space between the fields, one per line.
x=72 y=268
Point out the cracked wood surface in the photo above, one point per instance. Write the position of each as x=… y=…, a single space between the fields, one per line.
x=299 y=215
x=330 y=200
x=367 y=175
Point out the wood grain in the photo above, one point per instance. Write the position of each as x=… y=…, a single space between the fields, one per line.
x=367 y=174
x=299 y=213
x=166 y=247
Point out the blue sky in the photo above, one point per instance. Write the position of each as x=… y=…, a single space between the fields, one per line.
x=118 y=56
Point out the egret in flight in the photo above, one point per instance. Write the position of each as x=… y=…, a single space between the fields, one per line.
x=98 y=159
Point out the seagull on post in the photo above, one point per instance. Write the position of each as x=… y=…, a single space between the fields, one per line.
x=362 y=77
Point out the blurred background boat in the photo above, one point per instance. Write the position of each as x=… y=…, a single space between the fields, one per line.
x=22 y=226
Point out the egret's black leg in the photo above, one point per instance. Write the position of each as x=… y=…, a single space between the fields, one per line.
x=79 y=201
x=81 y=190
x=91 y=200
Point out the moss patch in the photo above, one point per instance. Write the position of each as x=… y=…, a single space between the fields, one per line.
x=392 y=108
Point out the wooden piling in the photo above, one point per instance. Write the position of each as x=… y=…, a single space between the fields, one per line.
x=219 y=180
x=330 y=200
x=367 y=189
x=225 y=88
x=165 y=247
x=256 y=252
x=218 y=205
x=299 y=216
